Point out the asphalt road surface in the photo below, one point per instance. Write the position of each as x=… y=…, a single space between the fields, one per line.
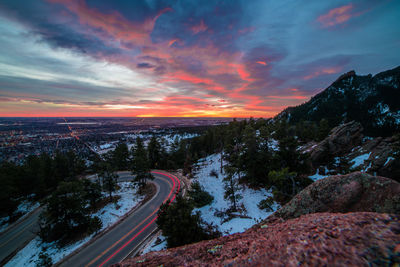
x=19 y=234
x=114 y=245
x=120 y=241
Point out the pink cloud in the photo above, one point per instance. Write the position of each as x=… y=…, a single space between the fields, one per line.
x=113 y=23
x=262 y=63
x=212 y=82
x=337 y=16
x=201 y=27
x=323 y=71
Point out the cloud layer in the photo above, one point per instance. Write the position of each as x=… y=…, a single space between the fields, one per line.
x=180 y=58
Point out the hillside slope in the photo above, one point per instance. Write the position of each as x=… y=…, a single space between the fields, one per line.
x=360 y=238
x=371 y=100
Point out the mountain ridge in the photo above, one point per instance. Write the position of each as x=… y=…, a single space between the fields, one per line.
x=370 y=100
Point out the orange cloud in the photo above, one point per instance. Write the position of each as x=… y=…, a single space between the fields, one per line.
x=324 y=71
x=182 y=76
x=262 y=63
x=336 y=16
x=214 y=63
x=300 y=97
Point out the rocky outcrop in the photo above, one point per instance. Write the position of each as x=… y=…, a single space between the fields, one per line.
x=325 y=239
x=344 y=193
x=341 y=140
x=381 y=160
x=346 y=75
x=346 y=142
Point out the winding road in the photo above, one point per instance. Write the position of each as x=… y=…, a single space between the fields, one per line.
x=117 y=243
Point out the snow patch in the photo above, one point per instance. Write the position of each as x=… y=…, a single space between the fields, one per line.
x=157 y=244
x=388 y=160
x=318 y=176
x=357 y=161
x=215 y=186
x=108 y=215
x=25 y=208
x=273 y=144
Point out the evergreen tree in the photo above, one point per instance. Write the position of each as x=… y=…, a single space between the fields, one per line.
x=324 y=129
x=67 y=214
x=47 y=180
x=92 y=192
x=180 y=226
x=187 y=166
x=109 y=178
x=255 y=154
x=286 y=184
x=155 y=156
x=290 y=157
x=199 y=196
x=120 y=157
x=75 y=165
x=140 y=164
x=9 y=191
x=231 y=187
x=60 y=167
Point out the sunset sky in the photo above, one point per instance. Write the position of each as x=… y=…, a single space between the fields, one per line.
x=185 y=58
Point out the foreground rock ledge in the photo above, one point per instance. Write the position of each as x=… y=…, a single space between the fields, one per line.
x=334 y=239
x=354 y=192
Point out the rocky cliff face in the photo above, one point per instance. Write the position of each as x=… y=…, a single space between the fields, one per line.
x=301 y=234
x=346 y=142
x=341 y=140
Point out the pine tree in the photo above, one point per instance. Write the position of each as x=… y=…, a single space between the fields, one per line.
x=324 y=129
x=109 y=178
x=284 y=184
x=180 y=226
x=67 y=214
x=231 y=187
x=140 y=164
x=155 y=156
x=187 y=165
x=92 y=192
x=120 y=157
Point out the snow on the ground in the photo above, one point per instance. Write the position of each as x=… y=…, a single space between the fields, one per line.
x=24 y=208
x=168 y=139
x=108 y=215
x=273 y=144
x=106 y=145
x=388 y=160
x=153 y=246
x=215 y=187
x=359 y=160
x=318 y=176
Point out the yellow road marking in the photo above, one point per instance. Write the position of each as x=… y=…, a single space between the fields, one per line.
x=117 y=242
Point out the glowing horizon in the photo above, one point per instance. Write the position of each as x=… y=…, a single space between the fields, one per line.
x=86 y=58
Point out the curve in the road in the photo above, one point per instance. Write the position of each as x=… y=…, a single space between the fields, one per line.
x=173 y=178
x=120 y=241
